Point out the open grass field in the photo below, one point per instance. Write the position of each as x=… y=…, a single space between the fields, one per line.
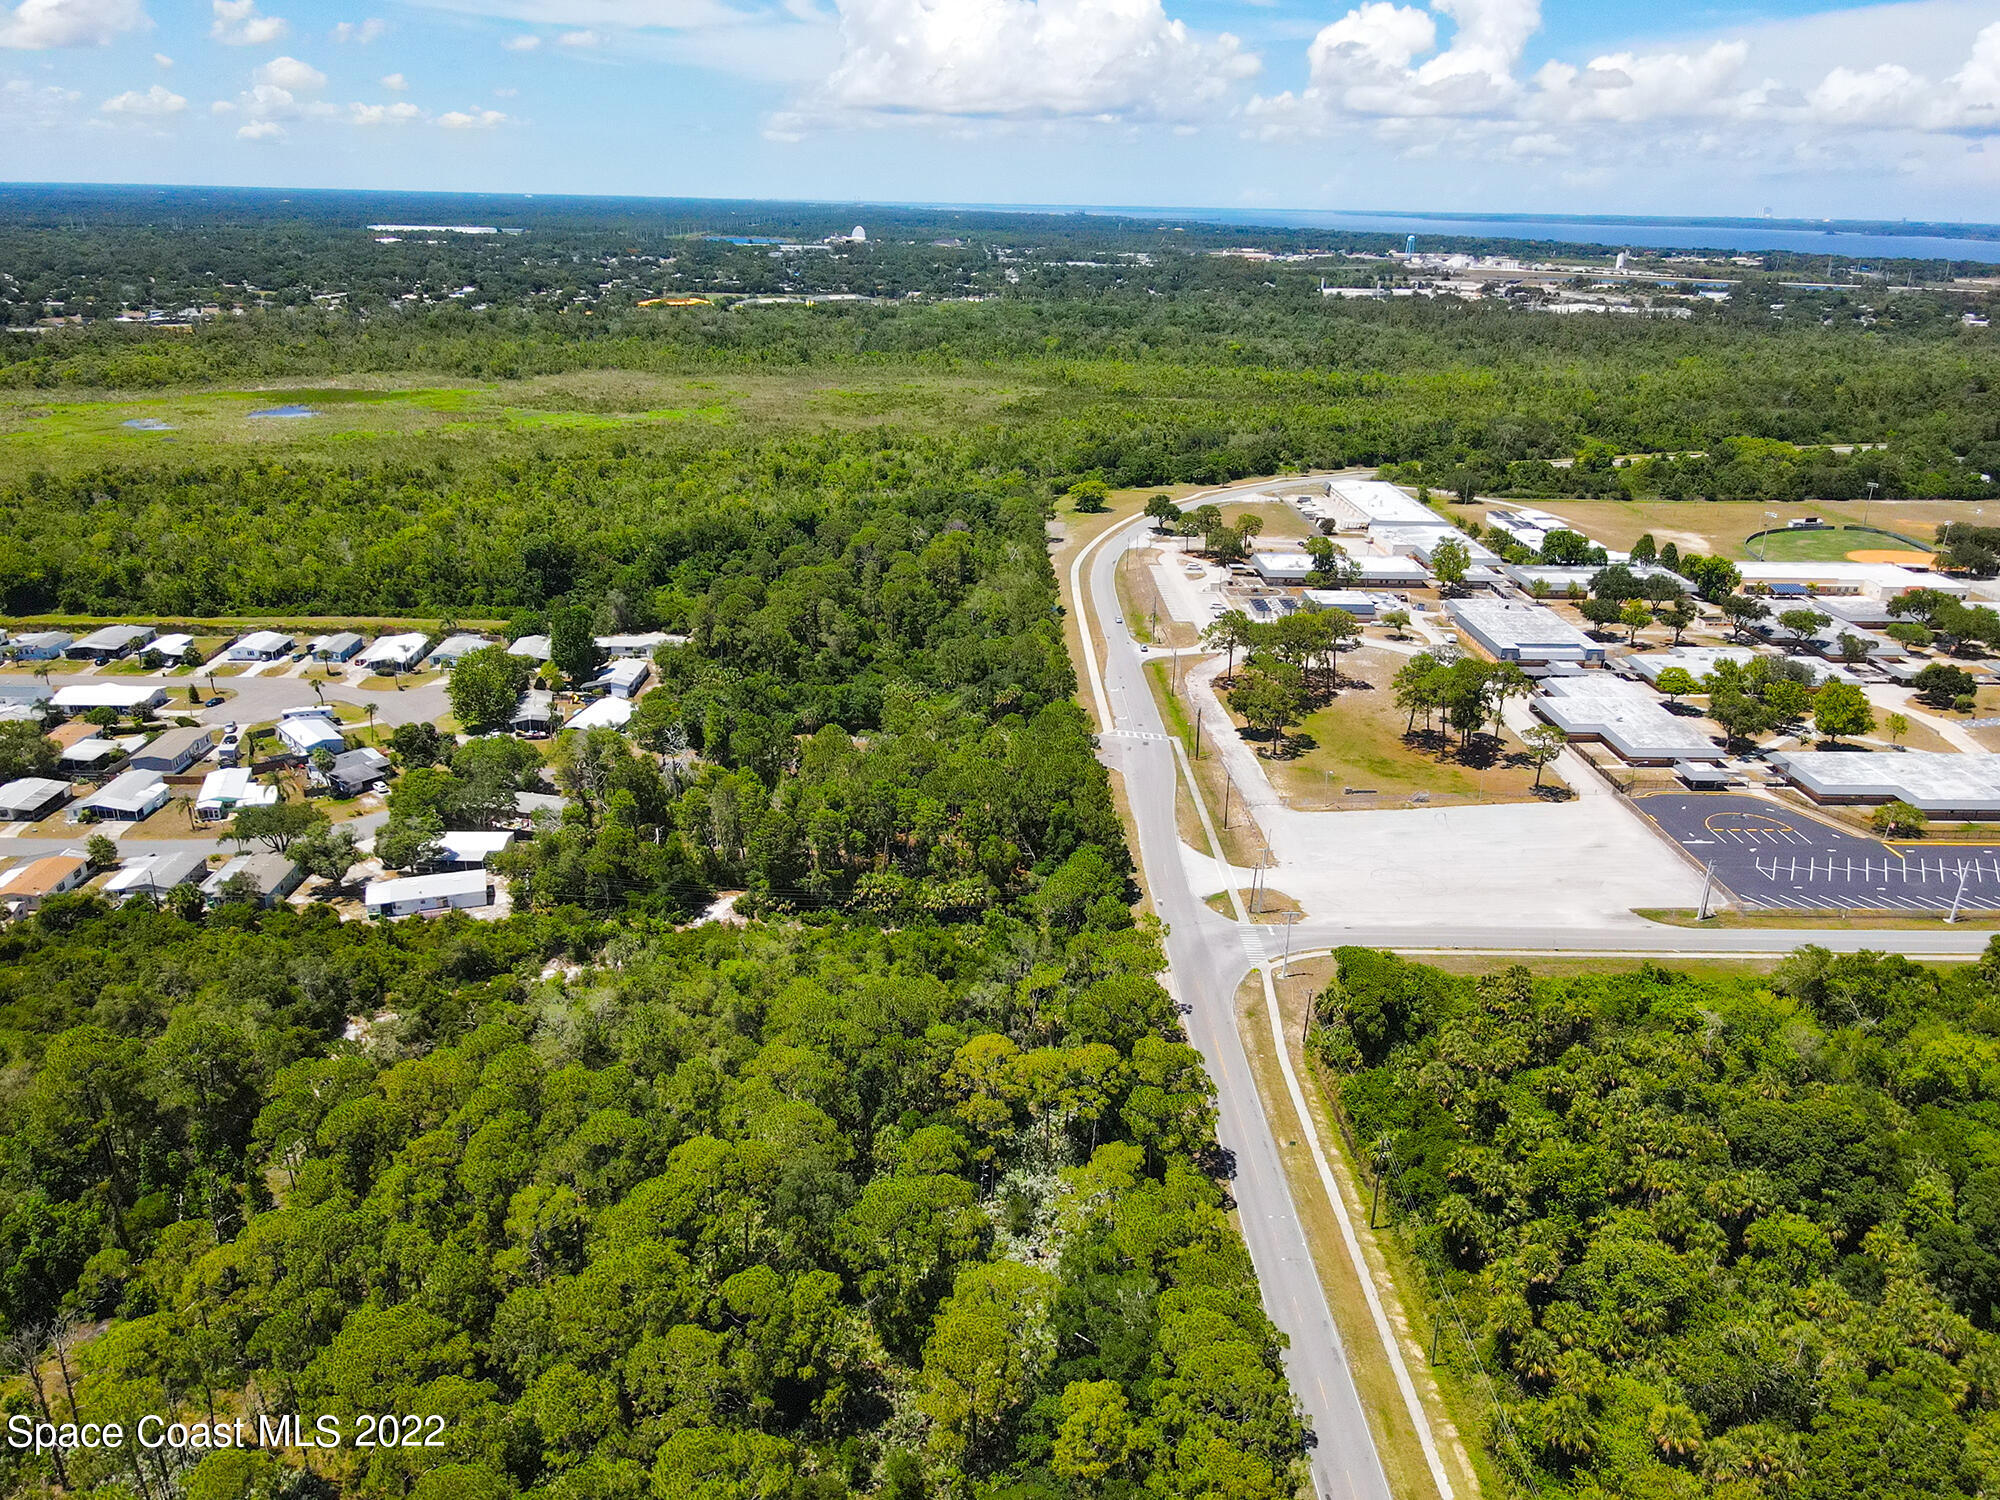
x=1358 y=741
x=1280 y=521
x=1723 y=527
x=381 y=410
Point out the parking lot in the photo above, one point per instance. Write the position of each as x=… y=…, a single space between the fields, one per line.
x=1771 y=857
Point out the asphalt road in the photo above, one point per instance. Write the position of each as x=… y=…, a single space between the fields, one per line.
x=1210 y=956
x=1771 y=857
x=1208 y=962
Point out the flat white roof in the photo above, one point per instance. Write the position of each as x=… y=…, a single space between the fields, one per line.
x=234 y=786
x=626 y=670
x=1529 y=630
x=263 y=640
x=31 y=792
x=1625 y=716
x=396 y=648
x=169 y=645
x=470 y=847
x=116 y=637
x=1378 y=502
x=1936 y=781
x=1285 y=564
x=129 y=790
x=306 y=734
x=422 y=887
x=108 y=695
x=1885 y=578
x=605 y=713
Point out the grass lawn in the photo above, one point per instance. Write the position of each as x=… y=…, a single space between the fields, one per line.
x=1146 y=614
x=1829 y=545
x=1721 y=526
x=1358 y=740
x=1835 y=921
x=1280 y=520
x=1263 y=905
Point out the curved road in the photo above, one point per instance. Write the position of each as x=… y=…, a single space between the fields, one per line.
x=1209 y=956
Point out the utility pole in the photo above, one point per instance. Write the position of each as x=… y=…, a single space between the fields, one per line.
x=1197 y=735
x=1707 y=885
x=1873 y=486
x=1227 y=787
x=1964 y=874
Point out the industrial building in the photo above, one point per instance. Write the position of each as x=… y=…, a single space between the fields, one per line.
x=1362 y=504
x=1363 y=606
x=1282 y=568
x=1943 y=784
x=1524 y=633
x=1622 y=714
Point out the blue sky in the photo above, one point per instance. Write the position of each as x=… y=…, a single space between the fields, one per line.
x=1807 y=110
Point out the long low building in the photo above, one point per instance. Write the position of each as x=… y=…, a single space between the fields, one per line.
x=1357 y=503
x=156 y=875
x=226 y=791
x=31 y=798
x=81 y=697
x=1943 y=784
x=1526 y=633
x=1627 y=717
x=127 y=797
x=417 y=894
x=1880 y=580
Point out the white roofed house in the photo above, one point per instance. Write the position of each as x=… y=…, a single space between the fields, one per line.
x=395 y=653
x=341 y=645
x=531 y=648
x=168 y=650
x=260 y=645
x=1525 y=633
x=418 y=895
x=126 y=697
x=156 y=875
x=535 y=715
x=301 y=734
x=39 y=645
x=31 y=798
x=471 y=850
x=226 y=791
x=110 y=643
x=455 y=648
x=275 y=876
x=605 y=713
x=622 y=678
x=127 y=797
x=619 y=647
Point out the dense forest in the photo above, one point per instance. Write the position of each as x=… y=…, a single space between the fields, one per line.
x=776 y=1211
x=1134 y=391
x=1713 y=1237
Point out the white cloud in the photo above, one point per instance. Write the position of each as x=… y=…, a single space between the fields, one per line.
x=237 y=24
x=580 y=39
x=27 y=106
x=36 y=24
x=163 y=60
x=472 y=119
x=399 y=113
x=289 y=73
x=360 y=32
x=156 y=103
x=1025 y=59
x=1633 y=87
x=261 y=130
x=525 y=42
x=395 y=83
x=505 y=93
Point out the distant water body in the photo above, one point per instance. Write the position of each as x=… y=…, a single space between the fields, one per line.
x=1744 y=236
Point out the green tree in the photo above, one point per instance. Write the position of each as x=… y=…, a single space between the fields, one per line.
x=485 y=686
x=573 y=648
x=327 y=852
x=1545 y=742
x=26 y=751
x=410 y=842
x=1088 y=497
x=1269 y=697
x=1601 y=613
x=1095 y=1436
x=1742 y=612
x=1677 y=614
x=1899 y=819
x=1896 y=726
x=1676 y=683
x=101 y=852
x=1801 y=625
x=1451 y=560
x=1230 y=631
x=1841 y=709
x=1161 y=508
x=1635 y=617
x=1940 y=684
x=278 y=826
